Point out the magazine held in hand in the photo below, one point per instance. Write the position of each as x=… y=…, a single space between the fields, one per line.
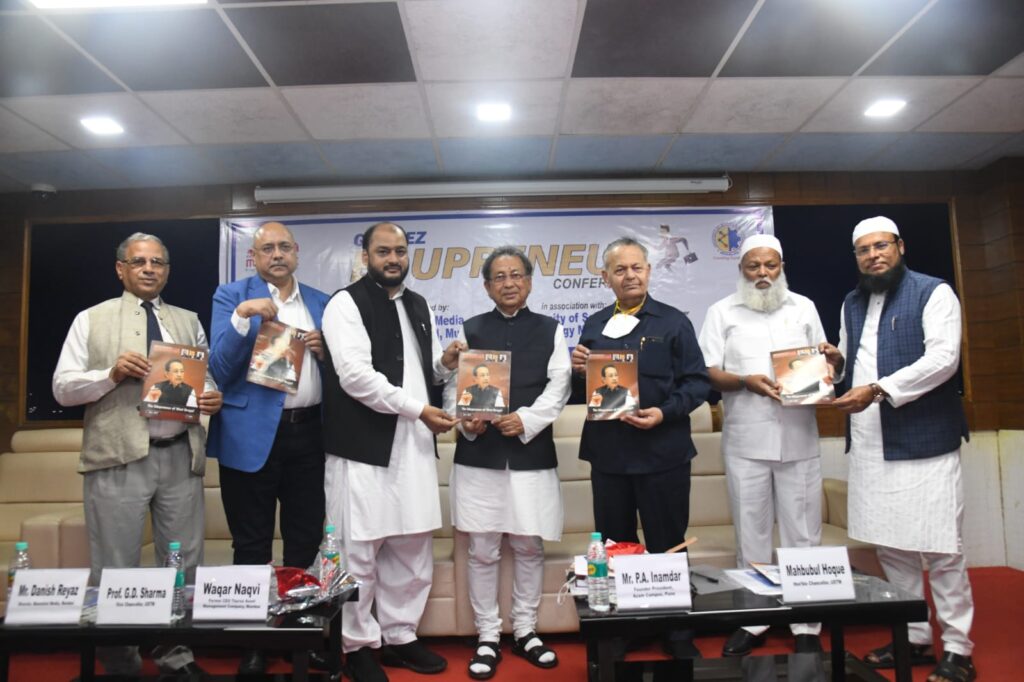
x=612 y=385
x=277 y=357
x=171 y=389
x=483 y=384
x=804 y=375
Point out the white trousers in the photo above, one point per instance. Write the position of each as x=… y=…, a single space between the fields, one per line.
x=761 y=492
x=527 y=584
x=951 y=591
x=395 y=573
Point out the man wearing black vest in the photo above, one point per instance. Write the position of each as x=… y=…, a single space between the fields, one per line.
x=641 y=462
x=504 y=478
x=900 y=336
x=381 y=476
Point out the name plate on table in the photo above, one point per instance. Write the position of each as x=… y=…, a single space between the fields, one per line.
x=47 y=596
x=652 y=581
x=231 y=593
x=135 y=596
x=811 y=574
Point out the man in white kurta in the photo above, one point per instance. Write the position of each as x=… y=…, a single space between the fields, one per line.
x=386 y=513
x=772 y=460
x=504 y=479
x=911 y=508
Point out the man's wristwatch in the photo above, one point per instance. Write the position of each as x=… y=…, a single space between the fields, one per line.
x=878 y=394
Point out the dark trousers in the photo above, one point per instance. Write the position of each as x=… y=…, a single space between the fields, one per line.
x=293 y=474
x=662 y=499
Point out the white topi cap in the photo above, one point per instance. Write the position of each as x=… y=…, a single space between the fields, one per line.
x=756 y=241
x=876 y=224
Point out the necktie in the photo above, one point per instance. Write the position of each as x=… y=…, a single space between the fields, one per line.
x=152 y=326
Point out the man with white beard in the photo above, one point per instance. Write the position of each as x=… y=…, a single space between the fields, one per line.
x=772 y=462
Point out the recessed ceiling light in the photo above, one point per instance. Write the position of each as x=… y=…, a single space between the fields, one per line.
x=493 y=112
x=884 y=108
x=102 y=125
x=90 y=4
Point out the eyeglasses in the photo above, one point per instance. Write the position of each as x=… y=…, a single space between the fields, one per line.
x=137 y=263
x=283 y=247
x=515 y=277
x=880 y=247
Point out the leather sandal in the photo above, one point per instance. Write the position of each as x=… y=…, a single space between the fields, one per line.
x=490 y=660
x=884 y=657
x=534 y=653
x=955 y=668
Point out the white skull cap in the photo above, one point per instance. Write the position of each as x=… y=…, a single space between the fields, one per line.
x=756 y=241
x=876 y=224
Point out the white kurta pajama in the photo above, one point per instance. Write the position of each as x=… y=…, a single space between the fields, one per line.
x=912 y=509
x=487 y=503
x=386 y=514
x=772 y=460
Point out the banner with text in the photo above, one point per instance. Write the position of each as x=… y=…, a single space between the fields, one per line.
x=693 y=253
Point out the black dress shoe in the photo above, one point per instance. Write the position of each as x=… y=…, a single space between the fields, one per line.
x=741 y=643
x=415 y=656
x=807 y=644
x=254 y=662
x=361 y=666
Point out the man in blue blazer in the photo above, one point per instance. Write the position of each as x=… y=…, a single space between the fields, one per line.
x=269 y=443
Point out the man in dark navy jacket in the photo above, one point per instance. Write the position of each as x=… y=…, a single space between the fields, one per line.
x=641 y=463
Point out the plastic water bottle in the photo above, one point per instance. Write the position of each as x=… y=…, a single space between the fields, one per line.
x=19 y=562
x=597 y=574
x=176 y=561
x=330 y=557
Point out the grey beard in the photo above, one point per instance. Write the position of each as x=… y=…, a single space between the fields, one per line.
x=763 y=300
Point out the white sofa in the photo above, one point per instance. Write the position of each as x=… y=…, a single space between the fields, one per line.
x=41 y=502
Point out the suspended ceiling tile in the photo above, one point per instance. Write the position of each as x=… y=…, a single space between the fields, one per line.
x=668 y=38
x=35 y=60
x=924 y=97
x=328 y=43
x=995 y=106
x=179 y=49
x=491 y=39
x=956 y=38
x=759 y=105
x=61 y=117
x=340 y=112
x=18 y=136
x=633 y=106
x=227 y=116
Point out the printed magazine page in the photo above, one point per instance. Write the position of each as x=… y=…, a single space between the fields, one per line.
x=483 y=384
x=277 y=357
x=613 y=384
x=805 y=376
x=172 y=387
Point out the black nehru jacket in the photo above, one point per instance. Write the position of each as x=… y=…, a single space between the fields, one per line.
x=353 y=430
x=531 y=339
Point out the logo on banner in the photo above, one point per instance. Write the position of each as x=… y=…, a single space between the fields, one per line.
x=726 y=239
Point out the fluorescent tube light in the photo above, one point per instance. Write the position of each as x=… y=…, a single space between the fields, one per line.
x=92 y=4
x=296 y=195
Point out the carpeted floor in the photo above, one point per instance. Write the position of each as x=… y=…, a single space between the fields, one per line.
x=999 y=618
